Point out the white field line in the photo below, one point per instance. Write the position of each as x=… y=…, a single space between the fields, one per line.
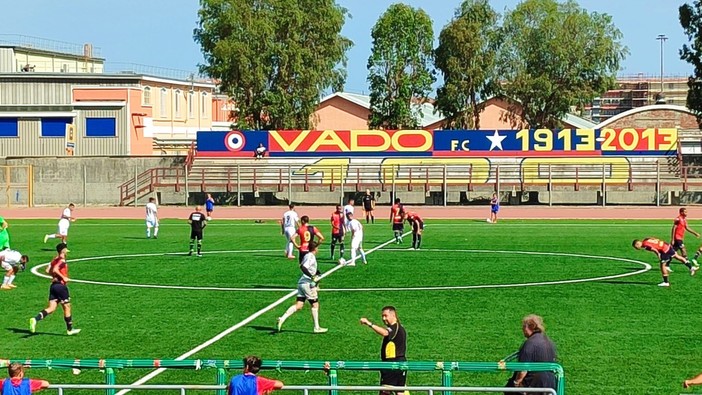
x=646 y=267
x=247 y=320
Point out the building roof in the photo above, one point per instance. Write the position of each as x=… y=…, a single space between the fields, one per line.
x=636 y=110
x=104 y=76
x=578 y=122
x=427 y=110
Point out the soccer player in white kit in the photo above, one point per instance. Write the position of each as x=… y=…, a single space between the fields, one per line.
x=348 y=209
x=289 y=226
x=63 y=225
x=306 y=289
x=151 y=218
x=354 y=227
x=11 y=261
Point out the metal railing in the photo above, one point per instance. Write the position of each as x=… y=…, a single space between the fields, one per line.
x=45 y=44
x=305 y=389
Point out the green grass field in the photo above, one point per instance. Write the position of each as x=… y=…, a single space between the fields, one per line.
x=614 y=336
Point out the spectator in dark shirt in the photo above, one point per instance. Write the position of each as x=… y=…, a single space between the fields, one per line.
x=537 y=348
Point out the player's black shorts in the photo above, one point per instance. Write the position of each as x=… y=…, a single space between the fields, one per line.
x=397 y=378
x=59 y=293
x=368 y=209
x=195 y=235
x=668 y=255
x=302 y=255
x=678 y=244
x=417 y=225
x=337 y=237
x=398 y=227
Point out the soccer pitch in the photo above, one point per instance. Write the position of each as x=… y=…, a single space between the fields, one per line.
x=460 y=298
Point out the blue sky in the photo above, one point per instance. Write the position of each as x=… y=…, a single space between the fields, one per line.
x=159 y=32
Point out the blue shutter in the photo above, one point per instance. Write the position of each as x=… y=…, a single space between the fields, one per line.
x=54 y=127
x=100 y=127
x=8 y=127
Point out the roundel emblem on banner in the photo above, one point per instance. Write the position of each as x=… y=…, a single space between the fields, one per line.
x=234 y=141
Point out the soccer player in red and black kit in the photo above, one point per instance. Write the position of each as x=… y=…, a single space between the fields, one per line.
x=677 y=234
x=397 y=217
x=58 y=293
x=417 y=225
x=337 y=224
x=665 y=252
x=306 y=233
x=197 y=221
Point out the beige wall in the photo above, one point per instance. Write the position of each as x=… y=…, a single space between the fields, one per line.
x=55 y=63
x=175 y=113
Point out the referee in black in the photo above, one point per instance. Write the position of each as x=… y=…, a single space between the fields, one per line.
x=393 y=348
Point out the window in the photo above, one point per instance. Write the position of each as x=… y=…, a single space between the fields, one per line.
x=54 y=127
x=163 y=103
x=191 y=105
x=203 y=105
x=177 y=103
x=100 y=127
x=146 y=96
x=8 y=127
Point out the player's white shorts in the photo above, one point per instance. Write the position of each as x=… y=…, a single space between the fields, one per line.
x=289 y=233
x=305 y=290
x=151 y=223
x=6 y=266
x=63 y=227
x=356 y=242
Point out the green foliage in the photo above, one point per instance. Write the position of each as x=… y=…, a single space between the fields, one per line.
x=273 y=57
x=466 y=57
x=400 y=71
x=557 y=55
x=691 y=21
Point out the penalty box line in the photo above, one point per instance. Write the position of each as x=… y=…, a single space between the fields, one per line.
x=247 y=320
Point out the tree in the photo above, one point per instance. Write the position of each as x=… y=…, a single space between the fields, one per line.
x=555 y=55
x=400 y=71
x=466 y=56
x=691 y=21
x=273 y=57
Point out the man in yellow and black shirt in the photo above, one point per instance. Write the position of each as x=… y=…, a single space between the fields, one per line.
x=393 y=348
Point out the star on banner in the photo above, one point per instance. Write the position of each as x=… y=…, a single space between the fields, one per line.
x=496 y=141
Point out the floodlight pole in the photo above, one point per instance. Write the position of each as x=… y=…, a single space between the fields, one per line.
x=662 y=38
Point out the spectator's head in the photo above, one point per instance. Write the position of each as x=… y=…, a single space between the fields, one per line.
x=397 y=200
x=260 y=145
x=15 y=370
x=636 y=244
x=532 y=324
x=304 y=220
x=252 y=364
x=313 y=246
x=389 y=315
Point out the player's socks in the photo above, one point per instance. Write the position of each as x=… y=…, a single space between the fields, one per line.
x=697 y=254
x=333 y=245
x=363 y=255
x=341 y=249
x=69 y=322
x=42 y=314
x=414 y=240
x=192 y=246
x=665 y=279
x=5 y=281
x=148 y=233
x=290 y=311
x=688 y=264
x=12 y=278
x=156 y=232
x=315 y=316
x=372 y=219
x=50 y=236
x=419 y=241
x=199 y=247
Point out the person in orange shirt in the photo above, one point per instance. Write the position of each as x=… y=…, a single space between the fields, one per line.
x=677 y=234
x=397 y=217
x=306 y=233
x=337 y=223
x=665 y=252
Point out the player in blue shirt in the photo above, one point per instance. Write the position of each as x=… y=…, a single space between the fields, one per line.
x=209 y=206
x=494 y=208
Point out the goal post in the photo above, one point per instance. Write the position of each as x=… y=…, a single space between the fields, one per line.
x=16 y=186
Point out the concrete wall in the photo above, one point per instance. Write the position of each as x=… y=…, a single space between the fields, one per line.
x=84 y=181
